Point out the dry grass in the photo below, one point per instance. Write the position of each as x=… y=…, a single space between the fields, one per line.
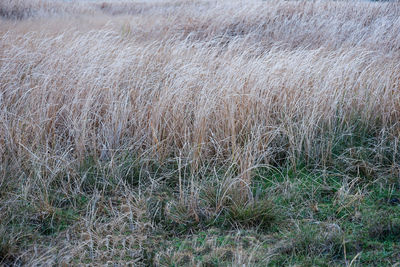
x=199 y=85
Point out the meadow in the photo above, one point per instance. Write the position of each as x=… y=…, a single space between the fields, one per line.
x=199 y=133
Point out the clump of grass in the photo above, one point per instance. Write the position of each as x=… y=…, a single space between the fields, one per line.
x=316 y=239
x=259 y=213
x=384 y=227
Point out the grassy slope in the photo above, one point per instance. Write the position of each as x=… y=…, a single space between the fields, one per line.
x=199 y=133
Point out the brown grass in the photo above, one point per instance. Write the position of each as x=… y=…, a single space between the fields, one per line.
x=211 y=83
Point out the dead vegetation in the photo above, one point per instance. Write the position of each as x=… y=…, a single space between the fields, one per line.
x=125 y=123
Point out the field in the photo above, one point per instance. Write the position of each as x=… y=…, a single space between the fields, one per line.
x=199 y=133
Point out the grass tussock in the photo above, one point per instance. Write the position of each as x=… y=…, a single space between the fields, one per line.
x=191 y=122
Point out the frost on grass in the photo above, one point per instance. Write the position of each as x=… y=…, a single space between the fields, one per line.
x=123 y=123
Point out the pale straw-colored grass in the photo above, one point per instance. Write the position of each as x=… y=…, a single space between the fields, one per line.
x=259 y=77
x=225 y=82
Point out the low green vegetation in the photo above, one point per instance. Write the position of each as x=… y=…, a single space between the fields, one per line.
x=307 y=216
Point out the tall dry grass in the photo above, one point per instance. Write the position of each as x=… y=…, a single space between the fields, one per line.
x=212 y=83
